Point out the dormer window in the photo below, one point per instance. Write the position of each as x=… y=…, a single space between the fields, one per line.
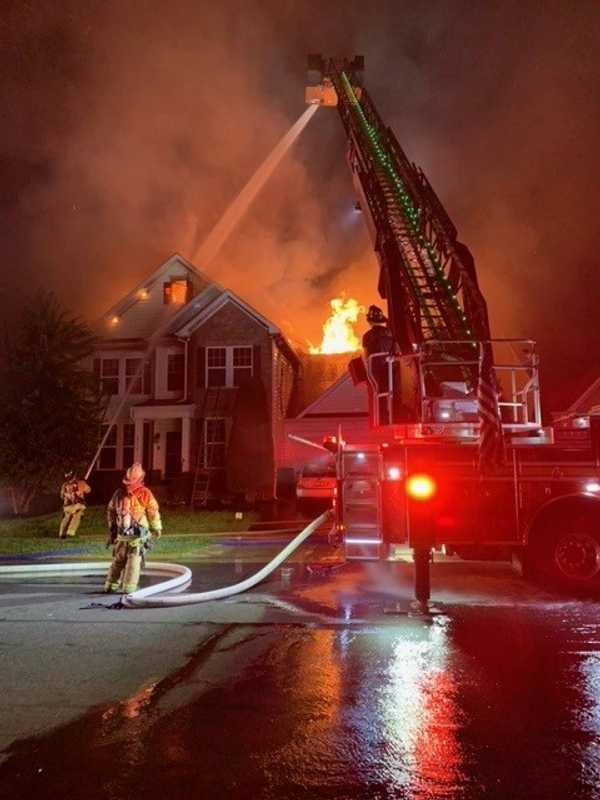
x=176 y=292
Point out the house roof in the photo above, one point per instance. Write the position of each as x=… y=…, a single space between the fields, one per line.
x=202 y=311
x=318 y=373
x=142 y=312
x=343 y=398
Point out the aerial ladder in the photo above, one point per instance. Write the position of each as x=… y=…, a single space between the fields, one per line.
x=443 y=387
x=426 y=275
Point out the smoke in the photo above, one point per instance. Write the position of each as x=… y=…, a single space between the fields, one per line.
x=206 y=252
x=128 y=128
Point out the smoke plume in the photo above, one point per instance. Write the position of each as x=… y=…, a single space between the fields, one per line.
x=129 y=127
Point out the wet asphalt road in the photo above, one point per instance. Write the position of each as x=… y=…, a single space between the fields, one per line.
x=330 y=689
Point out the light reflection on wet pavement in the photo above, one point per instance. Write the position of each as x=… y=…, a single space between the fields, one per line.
x=326 y=695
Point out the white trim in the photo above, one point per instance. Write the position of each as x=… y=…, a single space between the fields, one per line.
x=216 y=305
x=170 y=411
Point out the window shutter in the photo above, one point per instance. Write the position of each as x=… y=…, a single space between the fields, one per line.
x=201 y=367
x=256 y=362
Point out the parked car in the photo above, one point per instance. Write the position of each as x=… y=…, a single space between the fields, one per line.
x=316 y=485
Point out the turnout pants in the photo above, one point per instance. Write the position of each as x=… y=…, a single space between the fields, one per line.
x=72 y=515
x=125 y=567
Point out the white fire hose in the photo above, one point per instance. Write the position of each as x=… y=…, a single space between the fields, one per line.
x=180 y=576
x=151 y=596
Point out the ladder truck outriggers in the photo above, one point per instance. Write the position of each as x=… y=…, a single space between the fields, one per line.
x=459 y=459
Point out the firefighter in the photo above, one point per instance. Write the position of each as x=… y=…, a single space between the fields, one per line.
x=72 y=493
x=134 y=522
x=378 y=339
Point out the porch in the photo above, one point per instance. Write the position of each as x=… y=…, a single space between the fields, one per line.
x=162 y=438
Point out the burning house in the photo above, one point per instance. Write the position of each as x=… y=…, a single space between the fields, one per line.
x=220 y=389
x=206 y=413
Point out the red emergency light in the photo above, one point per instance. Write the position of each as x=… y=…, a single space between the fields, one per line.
x=421 y=487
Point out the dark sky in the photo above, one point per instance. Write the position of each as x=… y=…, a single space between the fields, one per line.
x=128 y=126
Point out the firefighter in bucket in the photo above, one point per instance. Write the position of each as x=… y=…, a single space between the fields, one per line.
x=378 y=344
x=134 y=522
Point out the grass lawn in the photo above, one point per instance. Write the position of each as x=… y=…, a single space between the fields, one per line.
x=185 y=532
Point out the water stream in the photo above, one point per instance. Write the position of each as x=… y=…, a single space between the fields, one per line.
x=211 y=246
x=204 y=253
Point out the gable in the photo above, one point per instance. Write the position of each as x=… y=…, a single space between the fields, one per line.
x=226 y=323
x=142 y=311
x=234 y=306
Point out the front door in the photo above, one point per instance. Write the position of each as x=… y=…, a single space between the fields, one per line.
x=173 y=454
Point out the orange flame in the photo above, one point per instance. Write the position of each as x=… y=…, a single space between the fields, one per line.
x=338 y=333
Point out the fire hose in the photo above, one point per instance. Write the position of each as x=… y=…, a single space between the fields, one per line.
x=155 y=596
x=152 y=596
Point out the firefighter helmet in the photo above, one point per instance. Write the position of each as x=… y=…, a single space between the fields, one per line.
x=376 y=316
x=135 y=473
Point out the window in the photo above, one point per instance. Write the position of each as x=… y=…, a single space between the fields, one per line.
x=215 y=441
x=143 y=383
x=227 y=366
x=109 y=375
x=115 y=374
x=216 y=366
x=242 y=364
x=319 y=471
x=131 y=367
x=175 y=372
x=108 y=454
x=175 y=292
x=128 y=444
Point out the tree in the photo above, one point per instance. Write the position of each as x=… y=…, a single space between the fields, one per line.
x=50 y=403
x=250 y=456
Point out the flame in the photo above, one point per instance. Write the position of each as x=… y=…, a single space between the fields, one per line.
x=338 y=334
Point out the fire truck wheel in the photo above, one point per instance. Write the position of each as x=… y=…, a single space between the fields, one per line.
x=570 y=557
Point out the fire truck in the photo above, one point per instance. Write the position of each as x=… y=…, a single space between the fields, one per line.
x=461 y=461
